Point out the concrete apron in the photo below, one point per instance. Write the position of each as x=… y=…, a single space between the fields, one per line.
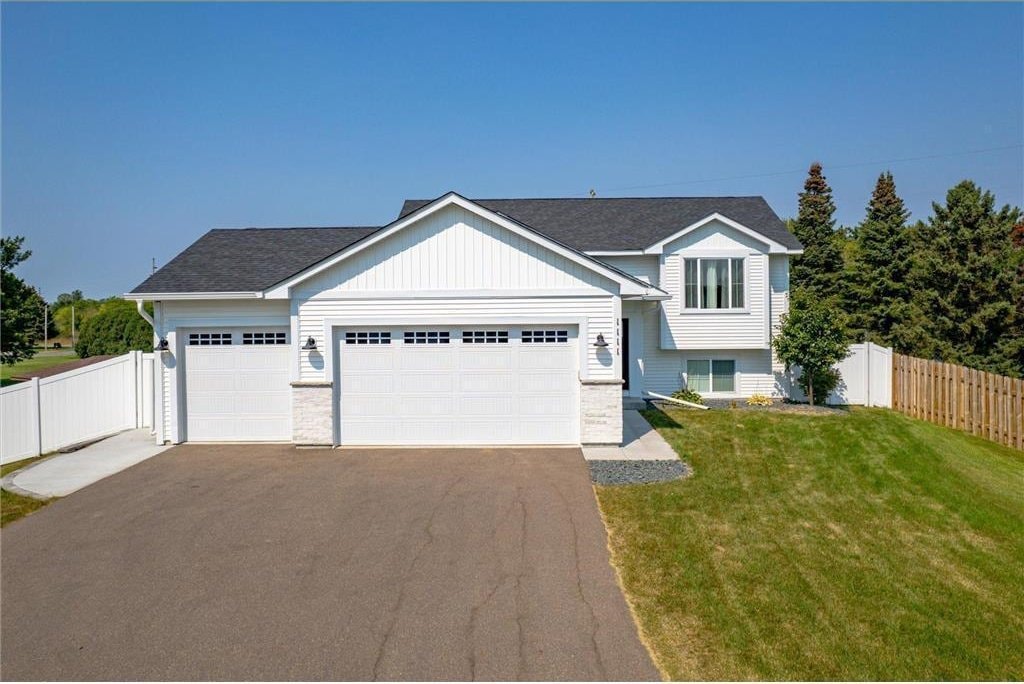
x=63 y=474
x=640 y=442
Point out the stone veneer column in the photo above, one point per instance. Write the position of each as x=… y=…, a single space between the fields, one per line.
x=601 y=411
x=312 y=413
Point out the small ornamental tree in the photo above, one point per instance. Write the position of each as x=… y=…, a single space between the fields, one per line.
x=812 y=337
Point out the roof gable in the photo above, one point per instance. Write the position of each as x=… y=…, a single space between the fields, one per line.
x=631 y=223
x=627 y=283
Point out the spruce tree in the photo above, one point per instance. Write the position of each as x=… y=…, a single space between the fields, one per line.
x=879 y=292
x=967 y=283
x=819 y=270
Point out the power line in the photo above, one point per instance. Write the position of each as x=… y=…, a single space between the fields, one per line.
x=828 y=168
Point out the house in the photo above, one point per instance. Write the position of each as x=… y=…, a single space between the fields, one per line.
x=512 y=321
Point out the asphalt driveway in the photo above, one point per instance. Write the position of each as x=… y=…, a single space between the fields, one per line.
x=238 y=562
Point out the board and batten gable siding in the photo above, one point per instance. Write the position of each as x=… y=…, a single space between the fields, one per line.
x=450 y=268
x=211 y=314
x=729 y=329
x=644 y=266
x=454 y=249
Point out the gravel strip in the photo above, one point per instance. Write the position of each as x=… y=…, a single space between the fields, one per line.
x=636 y=472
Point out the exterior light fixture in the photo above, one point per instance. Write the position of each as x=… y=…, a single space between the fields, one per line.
x=310 y=344
x=600 y=341
x=162 y=345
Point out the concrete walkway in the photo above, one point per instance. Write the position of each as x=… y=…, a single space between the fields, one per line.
x=66 y=473
x=640 y=442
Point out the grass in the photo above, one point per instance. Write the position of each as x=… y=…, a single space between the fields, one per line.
x=863 y=545
x=14 y=506
x=42 y=359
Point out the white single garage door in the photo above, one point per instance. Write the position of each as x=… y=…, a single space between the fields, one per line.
x=459 y=385
x=237 y=385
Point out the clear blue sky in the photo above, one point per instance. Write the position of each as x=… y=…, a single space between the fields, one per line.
x=130 y=130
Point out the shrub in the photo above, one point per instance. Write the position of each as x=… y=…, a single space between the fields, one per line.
x=116 y=329
x=759 y=400
x=688 y=395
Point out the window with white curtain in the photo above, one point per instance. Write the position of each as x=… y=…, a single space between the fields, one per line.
x=711 y=375
x=713 y=283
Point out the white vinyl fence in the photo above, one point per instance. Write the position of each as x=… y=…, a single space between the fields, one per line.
x=46 y=414
x=865 y=377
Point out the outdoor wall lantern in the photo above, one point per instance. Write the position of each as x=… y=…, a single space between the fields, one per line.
x=600 y=341
x=162 y=346
x=310 y=344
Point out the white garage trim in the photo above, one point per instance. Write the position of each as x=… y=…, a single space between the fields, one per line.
x=473 y=384
x=256 y=362
x=447 y=321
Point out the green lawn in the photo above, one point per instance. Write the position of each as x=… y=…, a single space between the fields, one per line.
x=42 y=359
x=14 y=506
x=864 y=545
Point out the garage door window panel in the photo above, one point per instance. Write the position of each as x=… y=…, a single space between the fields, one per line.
x=485 y=337
x=426 y=337
x=208 y=339
x=261 y=337
x=370 y=337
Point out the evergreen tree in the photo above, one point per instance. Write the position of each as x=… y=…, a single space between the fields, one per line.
x=967 y=284
x=819 y=270
x=19 y=305
x=880 y=266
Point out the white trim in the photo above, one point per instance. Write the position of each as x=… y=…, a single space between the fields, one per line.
x=773 y=247
x=715 y=356
x=626 y=285
x=167 y=296
x=227 y=322
x=698 y=257
x=453 y=294
x=332 y=333
x=330 y=325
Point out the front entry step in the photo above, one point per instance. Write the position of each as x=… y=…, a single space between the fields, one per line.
x=633 y=404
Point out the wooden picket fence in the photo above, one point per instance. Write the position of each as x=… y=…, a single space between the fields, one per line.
x=984 y=404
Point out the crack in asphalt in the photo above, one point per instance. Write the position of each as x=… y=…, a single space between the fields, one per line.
x=499 y=582
x=396 y=611
x=594 y=623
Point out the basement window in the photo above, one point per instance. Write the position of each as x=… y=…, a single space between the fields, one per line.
x=711 y=375
x=485 y=336
x=264 y=338
x=545 y=336
x=427 y=337
x=371 y=337
x=207 y=339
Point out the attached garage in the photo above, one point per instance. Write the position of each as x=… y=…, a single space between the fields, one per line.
x=236 y=385
x=475 y=385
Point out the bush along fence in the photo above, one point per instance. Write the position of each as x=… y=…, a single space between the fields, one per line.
x=984 y=404
x=47 y=414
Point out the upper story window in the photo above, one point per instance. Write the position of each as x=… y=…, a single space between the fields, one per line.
x=713 y=283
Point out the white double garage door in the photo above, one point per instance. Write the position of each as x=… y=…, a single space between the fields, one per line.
x=487 y=385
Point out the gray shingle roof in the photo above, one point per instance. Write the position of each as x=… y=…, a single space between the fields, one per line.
x=248 y=259
x=611 y=224
x=253 y=259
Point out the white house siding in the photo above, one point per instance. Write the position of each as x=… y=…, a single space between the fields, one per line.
x=746 y=329
x=599 y=314
x=454 y=249
x=645 y=267
x=778 y=269
x=220 y=313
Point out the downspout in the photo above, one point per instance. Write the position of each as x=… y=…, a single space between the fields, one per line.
x=156 y=420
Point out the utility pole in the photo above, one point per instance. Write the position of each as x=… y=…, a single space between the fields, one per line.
x=46 y=325
x=72 y=326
